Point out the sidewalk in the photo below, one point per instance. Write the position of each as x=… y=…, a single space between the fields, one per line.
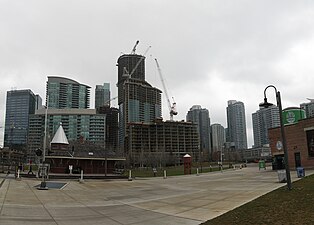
x=187 y=199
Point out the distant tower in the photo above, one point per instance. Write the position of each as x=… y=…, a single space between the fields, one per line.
x=263 y=119
x=102 y=95
x=138 y=100
x=112 y=126
x=19 y=105
x=308 y=107
x=217 y=137
x=201 y=117
x=39 y=102
x=65 y=93
x=236 y=124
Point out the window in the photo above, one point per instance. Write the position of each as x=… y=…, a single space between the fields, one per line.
x=310 y=142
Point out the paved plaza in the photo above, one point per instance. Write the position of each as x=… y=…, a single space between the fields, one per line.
x=180 y=200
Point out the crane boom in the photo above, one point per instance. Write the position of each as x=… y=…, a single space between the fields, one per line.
x=134 y=48
x=163 y=84
x=138 y=62
x=172 y=108
x=108 y=101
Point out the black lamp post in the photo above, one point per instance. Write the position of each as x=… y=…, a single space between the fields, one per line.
x=266 y=104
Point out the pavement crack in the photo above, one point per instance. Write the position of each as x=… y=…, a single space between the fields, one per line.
x=5 y=195
x=41 y=202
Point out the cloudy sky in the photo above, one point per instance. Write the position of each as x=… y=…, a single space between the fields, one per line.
x=210 y=51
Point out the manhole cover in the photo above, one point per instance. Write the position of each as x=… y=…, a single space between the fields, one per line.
x=54 y=185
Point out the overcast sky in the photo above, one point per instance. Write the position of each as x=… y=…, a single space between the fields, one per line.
x=210 y=51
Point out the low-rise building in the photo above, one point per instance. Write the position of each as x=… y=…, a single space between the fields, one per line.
x=300 y=144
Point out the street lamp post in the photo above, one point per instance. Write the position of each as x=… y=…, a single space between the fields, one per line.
x=283 y=136
x=43 y=185
x=105 y=133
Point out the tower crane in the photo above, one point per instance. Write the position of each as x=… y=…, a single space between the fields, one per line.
x=139 y=61
x=134 y=48
x=172 y=108
x=108 y=101
x=125 y=71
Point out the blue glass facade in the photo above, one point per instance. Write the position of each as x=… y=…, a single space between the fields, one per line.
x=19 y=105
x=102 y=95
x=66 y=93
x=78 y=124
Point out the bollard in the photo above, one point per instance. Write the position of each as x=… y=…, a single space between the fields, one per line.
x=197 y=174
x=165 y=174
x=234 y=167
x=130 y=175
x=18 y=175
x=81 y=180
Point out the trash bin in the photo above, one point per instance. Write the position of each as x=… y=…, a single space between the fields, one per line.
x=261 y=165
x=282 y=176
x=300 y=172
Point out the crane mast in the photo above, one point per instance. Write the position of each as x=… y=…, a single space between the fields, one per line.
x=172 y=107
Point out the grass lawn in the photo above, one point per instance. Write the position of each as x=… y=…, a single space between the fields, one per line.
x=277 y=207
x=172 y=171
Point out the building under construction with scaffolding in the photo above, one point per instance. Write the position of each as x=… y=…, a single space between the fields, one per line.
x=138 y=100
x=161 y=143
x=143 y=136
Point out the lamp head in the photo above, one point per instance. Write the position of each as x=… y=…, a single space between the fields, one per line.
x=265 y=104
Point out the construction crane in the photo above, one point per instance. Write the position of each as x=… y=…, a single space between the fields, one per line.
x=139 y=61
x=125 y=71
x=134 y=48
x=172 y=107
x=108 y=101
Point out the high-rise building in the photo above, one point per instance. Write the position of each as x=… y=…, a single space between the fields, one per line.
x=129 y=66
x=138 y=100
x=20 y=104
x=78 y=124
x=102 y=95
x=263 y=119
x=236 y=124
x=39 y=102
x=112 y=126
x=201 y=117
x=65 y=93
x=217 y=137
x=309 y=108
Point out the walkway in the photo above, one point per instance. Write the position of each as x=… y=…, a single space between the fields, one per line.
x=176 y=200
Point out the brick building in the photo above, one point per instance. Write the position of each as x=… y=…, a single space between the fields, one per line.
x=300 y=144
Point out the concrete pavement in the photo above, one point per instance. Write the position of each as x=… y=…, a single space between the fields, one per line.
x=176 y=200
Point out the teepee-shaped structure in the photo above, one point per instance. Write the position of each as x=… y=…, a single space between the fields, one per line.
x=59 y=141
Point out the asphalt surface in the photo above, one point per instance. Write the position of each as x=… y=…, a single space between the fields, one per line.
x=180 y=200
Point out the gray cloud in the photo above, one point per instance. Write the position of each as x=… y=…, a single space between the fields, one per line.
x=209 y=51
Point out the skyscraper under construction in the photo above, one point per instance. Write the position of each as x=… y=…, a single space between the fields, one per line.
x=138 y=100
x=144 y=138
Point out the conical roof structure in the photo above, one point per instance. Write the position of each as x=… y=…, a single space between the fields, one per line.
x=60 y=137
